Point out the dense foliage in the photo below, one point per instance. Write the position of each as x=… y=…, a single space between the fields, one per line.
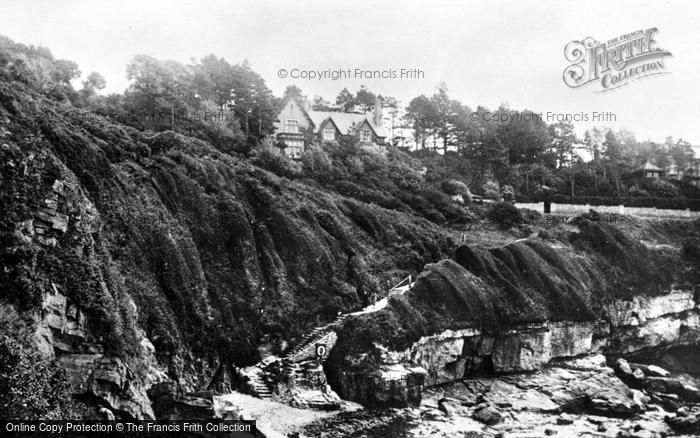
x=220 y=255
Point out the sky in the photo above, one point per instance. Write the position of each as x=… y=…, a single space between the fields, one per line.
x=487 y=52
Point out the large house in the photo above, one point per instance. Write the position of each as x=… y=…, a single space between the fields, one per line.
x=297 y=127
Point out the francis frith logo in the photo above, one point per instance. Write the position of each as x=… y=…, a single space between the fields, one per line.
x=616 y=62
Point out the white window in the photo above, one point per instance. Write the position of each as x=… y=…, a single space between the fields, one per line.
x=291 y=126
x=365 y=136
x=294 y=148
x=329 y=134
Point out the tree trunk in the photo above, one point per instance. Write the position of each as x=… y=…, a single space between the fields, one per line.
x=572 y=179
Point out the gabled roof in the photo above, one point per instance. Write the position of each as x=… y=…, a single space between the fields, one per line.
x=300 y=103
x=345 y=121
x=329 y=119
x=649 y=166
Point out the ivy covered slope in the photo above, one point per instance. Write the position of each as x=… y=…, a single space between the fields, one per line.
x=571 y=274
x=218 y=255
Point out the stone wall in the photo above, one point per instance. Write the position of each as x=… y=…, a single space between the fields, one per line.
x=576 y=209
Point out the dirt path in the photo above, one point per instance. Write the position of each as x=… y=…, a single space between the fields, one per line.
x=273 y=416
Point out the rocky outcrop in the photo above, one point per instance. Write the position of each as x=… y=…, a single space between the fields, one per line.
x=452 y=355
x=110 y=381
x=572 y=397
x=389 y=385
x=170 y=404
x=62 y=332
x=62 y=327
x=649 y=322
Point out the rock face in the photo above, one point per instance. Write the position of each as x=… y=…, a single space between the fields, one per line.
x=447 y=297
x=109 y=380
x=646 y=322
x=455 y=354
x=390 y=385
x=63 y=333
x=62 y=327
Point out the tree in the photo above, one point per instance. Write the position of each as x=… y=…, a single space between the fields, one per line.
x=214 y=80
x=87 y=94
x=524 y=135
x=423 y=118
x=253 y=103
x=480 y=144
x=612 y=153
x=346 y=100
x=392 y=106
x=682 y=154
x=320 y=104
x=292 y=91
x=563 y=142
x=65 y=71
x=158 y=91
x=365 y=99
x=94 y=81
x=451 y=117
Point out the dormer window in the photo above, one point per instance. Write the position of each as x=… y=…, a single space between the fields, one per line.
x=328 y=134
x=365 y=136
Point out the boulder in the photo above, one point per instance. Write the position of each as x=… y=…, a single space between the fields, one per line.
x=623 y=367
x=686 y=422
x=564 y=418
x=388 y=386
x=651 y=370
x=488 y=415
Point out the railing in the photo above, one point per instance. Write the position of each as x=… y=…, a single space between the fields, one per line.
x=400 y=283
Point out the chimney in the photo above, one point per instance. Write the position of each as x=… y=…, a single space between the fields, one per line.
x=377 y=113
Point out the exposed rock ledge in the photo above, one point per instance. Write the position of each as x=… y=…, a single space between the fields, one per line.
x=62 y=333
x=636 y=325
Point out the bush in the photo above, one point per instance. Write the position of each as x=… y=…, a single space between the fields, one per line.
x=491 y=190
x=531 y=216
x=165 y=141
x=271 y=158
x=664 y=189
x=637 y=192
x=317 y=164
x=31 y=387
x=505 y=214
x=691 y=249
x=454 y=187
x=508 y=193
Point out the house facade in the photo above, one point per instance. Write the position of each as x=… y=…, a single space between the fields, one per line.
x=297 y=127
x=693 y=172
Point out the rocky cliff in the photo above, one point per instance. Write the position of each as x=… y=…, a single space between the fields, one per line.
x=519 y=308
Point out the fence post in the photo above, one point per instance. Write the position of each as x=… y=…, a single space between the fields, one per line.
x=622 y=209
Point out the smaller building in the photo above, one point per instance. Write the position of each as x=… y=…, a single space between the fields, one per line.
x=647 y=172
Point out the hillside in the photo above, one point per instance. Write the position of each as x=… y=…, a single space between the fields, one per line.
x=211 y=256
